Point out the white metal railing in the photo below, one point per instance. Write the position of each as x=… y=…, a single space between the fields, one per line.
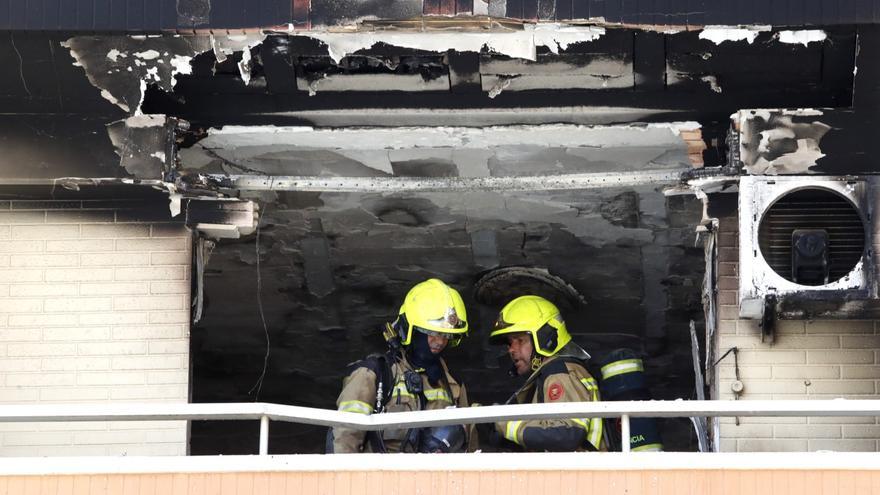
x=416 y=419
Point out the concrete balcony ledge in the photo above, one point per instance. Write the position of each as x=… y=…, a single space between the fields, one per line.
x=495 y=474
x=480 y=462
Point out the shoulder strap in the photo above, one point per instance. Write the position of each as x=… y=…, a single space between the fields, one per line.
x=380 y=366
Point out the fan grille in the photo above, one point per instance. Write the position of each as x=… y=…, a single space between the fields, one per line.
x=812 y=208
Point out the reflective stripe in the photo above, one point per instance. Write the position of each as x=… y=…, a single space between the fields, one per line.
x=621 y=367
x=594 y=436
x=437 y=394
x=400 y=390
x=590 y=384
x=356 y=406
x=512 y=431
x=592 y=426
x=651 y=447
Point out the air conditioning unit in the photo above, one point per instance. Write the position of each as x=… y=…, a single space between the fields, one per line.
x=806 y=247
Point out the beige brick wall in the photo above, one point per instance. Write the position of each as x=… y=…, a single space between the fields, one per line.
x=94 y=299
x=809 y=360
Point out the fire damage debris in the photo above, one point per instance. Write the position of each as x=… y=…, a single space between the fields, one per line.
x=780 y=141
x=145 y=144
x=623 y=248
x=512 y=57
x=122 y=66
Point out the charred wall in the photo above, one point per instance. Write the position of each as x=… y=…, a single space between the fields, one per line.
x=334 y=266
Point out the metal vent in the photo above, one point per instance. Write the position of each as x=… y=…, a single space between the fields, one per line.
x=812 y=209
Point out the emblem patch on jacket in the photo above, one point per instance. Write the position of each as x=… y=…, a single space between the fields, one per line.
x=555 y=392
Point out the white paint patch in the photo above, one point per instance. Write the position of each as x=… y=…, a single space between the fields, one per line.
x=773 y=135
x=112 y=99
x=803 y=37
x=712 y=81
x=499 y=86
x=720 y=34
x=114 y=55
x=143 y=87
x=560 y=36
x=765 y=113
x=224 y=46
x=147 y=55
x=153 y=72
x=180 y=64
x=518 y=44
x=147 y=120
x=805 y=156
x=244 y=67
x=173 y=201
x=159 y=155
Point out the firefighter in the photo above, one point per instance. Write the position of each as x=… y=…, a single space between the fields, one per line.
x=410 y=376
x=539 y=344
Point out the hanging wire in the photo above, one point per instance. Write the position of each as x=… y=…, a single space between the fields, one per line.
x=258 y=386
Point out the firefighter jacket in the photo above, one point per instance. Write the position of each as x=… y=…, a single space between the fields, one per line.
x=359 y=395
x=557 y=380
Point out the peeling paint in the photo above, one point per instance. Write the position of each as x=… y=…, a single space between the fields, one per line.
x=720 y=34
x=140 y=143
x=181 y=65
x=518 y=44
x=244 y=67
x=112 y=99
x=500 y=84
x=132 y=62
x=772 y=142
x=123 y=79
x=114 y=55
x=712 y=81
x=803 y=37
x=224 y=46
x=147 y=55
x=559 y=36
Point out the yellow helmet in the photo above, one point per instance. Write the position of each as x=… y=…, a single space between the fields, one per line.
x=432 y=307
x=537 y=316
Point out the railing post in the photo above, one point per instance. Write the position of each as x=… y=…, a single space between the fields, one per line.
x=624 y=433
x=264 y=435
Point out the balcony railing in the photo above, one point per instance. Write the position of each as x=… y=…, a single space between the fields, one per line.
x=486 y=414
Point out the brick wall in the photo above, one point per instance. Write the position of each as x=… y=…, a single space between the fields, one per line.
x=809 y=359
x=94 y=299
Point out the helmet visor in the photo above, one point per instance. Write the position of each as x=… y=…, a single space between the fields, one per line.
x=453 y=338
